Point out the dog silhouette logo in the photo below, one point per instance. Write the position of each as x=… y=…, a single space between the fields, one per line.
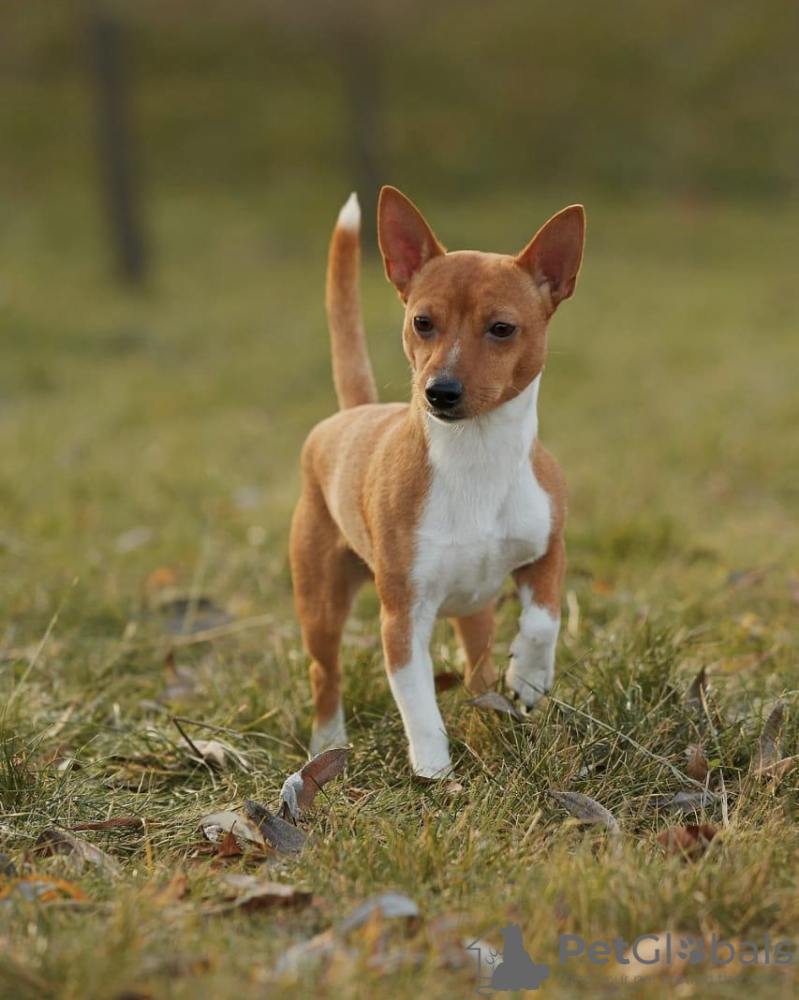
x=516 y=971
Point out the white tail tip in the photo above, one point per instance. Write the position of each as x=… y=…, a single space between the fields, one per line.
x=350 y=215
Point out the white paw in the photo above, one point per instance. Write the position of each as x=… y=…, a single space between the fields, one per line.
x=435 y=764
x=532 y=667
x=332 y=733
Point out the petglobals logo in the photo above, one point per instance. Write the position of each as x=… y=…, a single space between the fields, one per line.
x=512 y=968
x=516 y=971
x=690 y=949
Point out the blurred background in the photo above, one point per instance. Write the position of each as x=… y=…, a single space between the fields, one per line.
x=169 y=174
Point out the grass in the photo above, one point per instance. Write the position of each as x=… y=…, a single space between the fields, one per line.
x=669 y=398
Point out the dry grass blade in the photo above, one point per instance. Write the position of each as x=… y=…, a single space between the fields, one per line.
x=587 y=810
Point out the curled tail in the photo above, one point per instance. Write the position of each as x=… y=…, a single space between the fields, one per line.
x=352 y=370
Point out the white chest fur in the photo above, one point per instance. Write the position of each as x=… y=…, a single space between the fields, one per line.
x=485 y=513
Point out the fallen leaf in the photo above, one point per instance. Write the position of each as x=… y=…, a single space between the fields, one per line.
x=688 y=842
x=284 y=837
x=41 y=889
x=251 y=894
x=227 y=822
x=229 y=847
x=767 y=747
x=496 y=702
x=176 y=890
x=697 y=692
x=309 y=955
x=687 y=801
x=57 y=841
x=299 y=789
x=697 y=767
x=586 y=810
x=388 y=905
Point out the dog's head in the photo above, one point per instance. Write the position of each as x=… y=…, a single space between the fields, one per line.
x=475 y=323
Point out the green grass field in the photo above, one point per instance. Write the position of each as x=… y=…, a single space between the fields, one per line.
x=155 y=438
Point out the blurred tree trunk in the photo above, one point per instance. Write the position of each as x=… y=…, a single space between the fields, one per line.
x=114 y=140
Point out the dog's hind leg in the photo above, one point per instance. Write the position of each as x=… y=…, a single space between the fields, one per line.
x=476 y=633
x=326 y=577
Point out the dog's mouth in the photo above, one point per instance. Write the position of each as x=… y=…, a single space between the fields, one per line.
x=446 y=416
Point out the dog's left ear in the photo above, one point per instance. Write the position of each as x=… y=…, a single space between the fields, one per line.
x=554 y=254
x=406 y=240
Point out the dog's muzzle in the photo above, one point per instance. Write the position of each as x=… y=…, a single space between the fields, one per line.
x=444 y=396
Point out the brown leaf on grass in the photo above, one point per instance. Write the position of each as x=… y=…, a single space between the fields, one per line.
x=229 y=847
x=496 y=702
x=697 y=692
x=56 y=841
x=252 y=894
x=793 y=587
x=41 y=889
x=687 y=801
x=284 y=837
x=768 y=744
x=371 y=915
x=586 y=810
x=175 y=891
x=299 y=789
x=216 y=825
x=697 y=767
x=387 y=905
x=688 y=842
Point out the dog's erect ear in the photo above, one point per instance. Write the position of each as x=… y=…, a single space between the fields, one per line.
x=554 y=254
x=406 y=240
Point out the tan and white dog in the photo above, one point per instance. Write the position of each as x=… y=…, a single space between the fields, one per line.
x=439 y=500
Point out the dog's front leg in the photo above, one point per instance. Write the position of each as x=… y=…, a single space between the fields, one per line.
x=406 y=636
x=532 y=668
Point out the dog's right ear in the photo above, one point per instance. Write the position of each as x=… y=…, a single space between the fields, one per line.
x=406 y=241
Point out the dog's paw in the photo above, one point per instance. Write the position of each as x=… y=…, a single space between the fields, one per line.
x=432 y=771
x=532 y=667
x=332 y=733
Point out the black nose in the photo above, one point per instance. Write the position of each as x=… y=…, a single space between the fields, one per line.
x=444 y=393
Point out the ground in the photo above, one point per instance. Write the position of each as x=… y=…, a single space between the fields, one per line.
x=150 y=444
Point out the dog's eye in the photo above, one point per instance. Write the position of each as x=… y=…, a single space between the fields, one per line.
x=423 y=325
x=502 y=330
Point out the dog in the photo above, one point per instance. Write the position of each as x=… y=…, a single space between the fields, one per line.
x=440 y=499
